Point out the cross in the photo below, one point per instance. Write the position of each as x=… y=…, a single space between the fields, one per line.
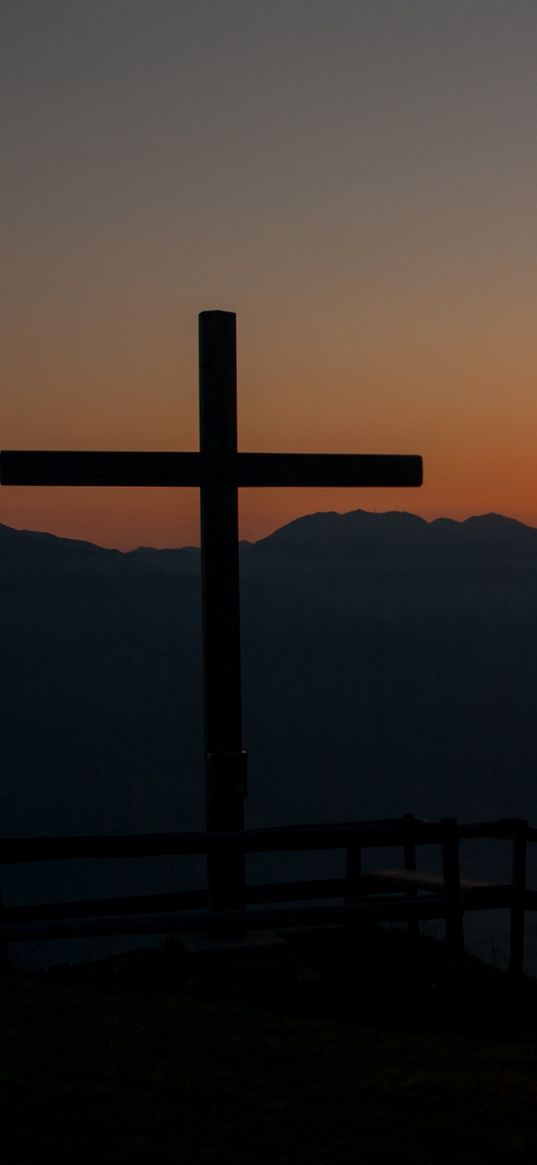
x=219 y=470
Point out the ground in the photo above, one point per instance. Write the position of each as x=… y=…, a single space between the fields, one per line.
x=360 y=1049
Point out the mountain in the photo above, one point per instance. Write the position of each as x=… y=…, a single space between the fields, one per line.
x=389 y=665
x=359 y=532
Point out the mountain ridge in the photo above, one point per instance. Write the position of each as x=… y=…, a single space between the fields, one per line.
x=367 y=635
x=310 y=530
x=389 y=666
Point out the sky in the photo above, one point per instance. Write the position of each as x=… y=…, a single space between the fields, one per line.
x=356 y=179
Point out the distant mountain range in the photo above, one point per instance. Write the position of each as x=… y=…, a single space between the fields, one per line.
x=389 y=664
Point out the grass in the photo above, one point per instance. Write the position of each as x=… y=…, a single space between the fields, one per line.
x=377 y=1059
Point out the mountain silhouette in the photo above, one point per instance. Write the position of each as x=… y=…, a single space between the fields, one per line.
x=389 y=666
x=373 y=644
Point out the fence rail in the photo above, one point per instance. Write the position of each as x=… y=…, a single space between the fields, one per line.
x=368 y=834
x=404 y=893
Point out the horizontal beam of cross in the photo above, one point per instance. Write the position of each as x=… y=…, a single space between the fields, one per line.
x=26 y=467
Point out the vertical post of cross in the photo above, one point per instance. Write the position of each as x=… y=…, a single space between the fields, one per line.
x=225 y=758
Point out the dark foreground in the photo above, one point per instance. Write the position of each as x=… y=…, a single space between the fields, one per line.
x=375 y=1058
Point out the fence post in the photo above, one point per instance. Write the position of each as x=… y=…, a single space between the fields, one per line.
x=516 y=946
x=452 y=886
x=410 y=864
x=354 y=873
x=5 y=961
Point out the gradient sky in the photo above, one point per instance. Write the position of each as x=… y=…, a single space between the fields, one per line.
x=357 y=179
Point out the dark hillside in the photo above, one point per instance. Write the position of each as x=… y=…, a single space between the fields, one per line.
x=376 y=1057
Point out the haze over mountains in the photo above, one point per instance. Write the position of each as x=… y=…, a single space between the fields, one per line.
x=390 y=665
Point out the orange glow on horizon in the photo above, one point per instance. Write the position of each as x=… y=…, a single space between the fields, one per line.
x=468 y=408
x=124 y=519
x=478 y=449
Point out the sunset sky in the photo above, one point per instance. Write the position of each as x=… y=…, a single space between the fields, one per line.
x=357 y=179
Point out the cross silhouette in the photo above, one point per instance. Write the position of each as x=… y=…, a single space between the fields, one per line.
x=219 y=470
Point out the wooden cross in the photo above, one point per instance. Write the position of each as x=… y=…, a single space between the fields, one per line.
x=219 y=471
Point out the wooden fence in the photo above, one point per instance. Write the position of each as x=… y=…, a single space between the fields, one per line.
x=401 y=893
